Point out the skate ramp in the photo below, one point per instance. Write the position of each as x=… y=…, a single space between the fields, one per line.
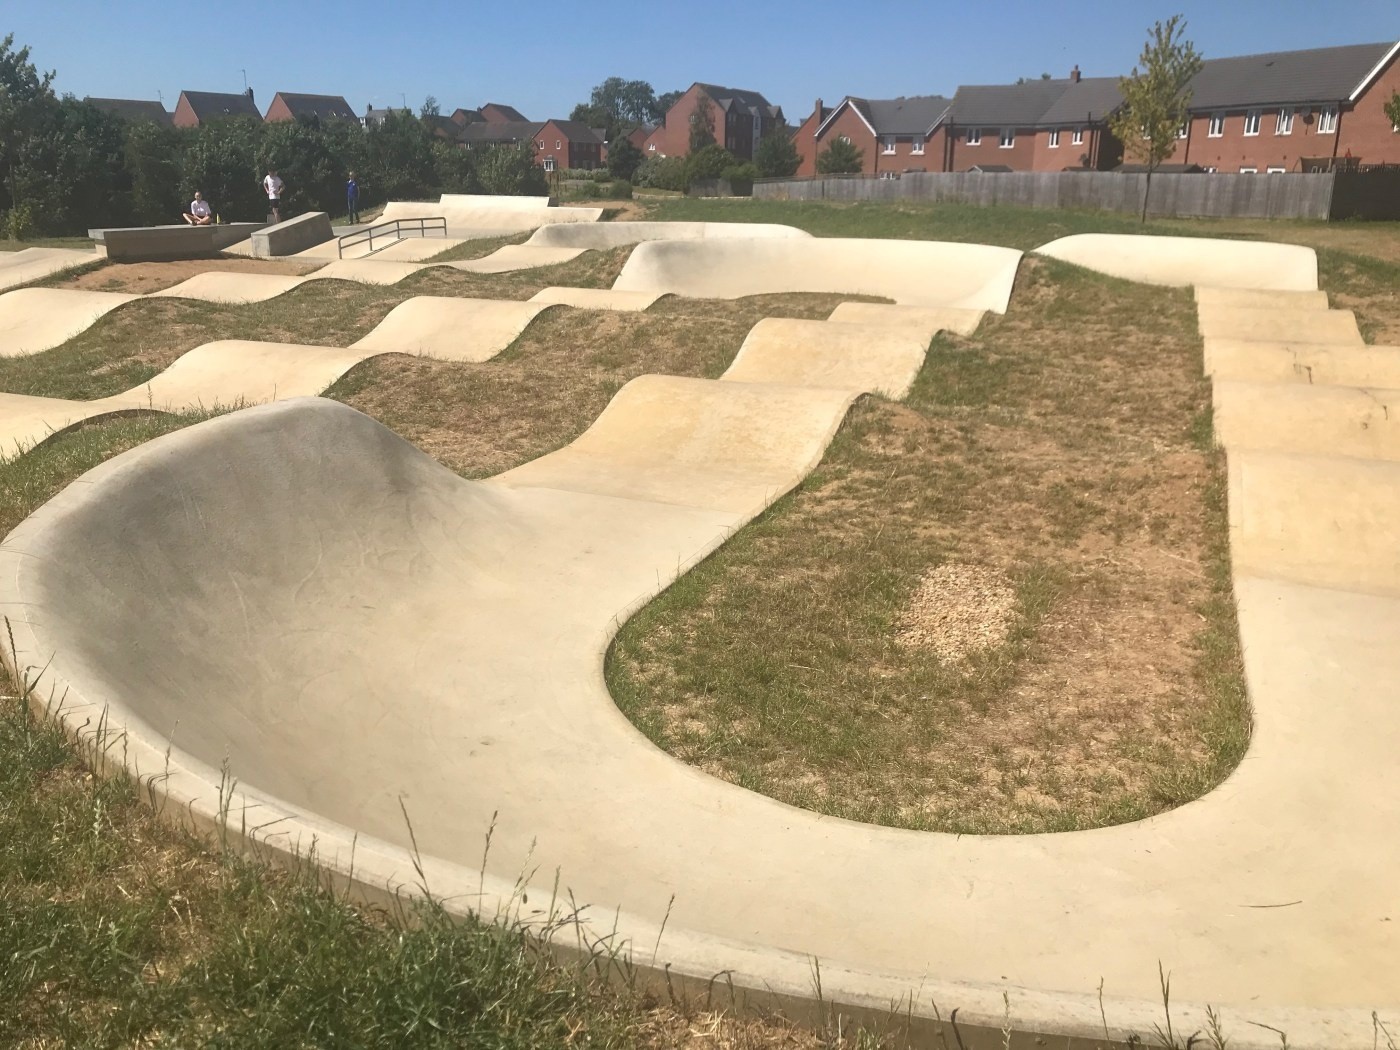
x=222 y=286
x=830 y=354
x=474 y=217
x=449 y=329
x=604 y=235
x=1303 y=363
x=914 y=273
x=1361 y=422
x=597 y=298
x=417 y=249
x=37 y=319
x=443 y=640
x=1279 y=324
x=923 y=321
x=1253 y=298
x=1184 y=261
x=31 y=264
x=516 y=257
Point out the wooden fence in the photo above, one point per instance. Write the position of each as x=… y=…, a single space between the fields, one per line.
x=1186 y=196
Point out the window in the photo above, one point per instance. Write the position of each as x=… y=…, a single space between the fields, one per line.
x=1055 y=139
x=1184 y=130
x=1251 y=122
x=1277 y=171
x=558 y=144
x=1008 y=138
x=1077 y=139
x=549 y=164
x=541 y=143
x=1217 y=125
x=1327 y=121
x=917 y=148
x=1285 y=122
x=889 y=175
x=651 y=147
x=974 y=136
x=1211 y=171
x=887 y=144
x=1249 y=171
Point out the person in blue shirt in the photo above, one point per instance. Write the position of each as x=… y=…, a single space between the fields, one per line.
x=352 y=198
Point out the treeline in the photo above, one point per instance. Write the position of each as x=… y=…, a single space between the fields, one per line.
x=67 y=166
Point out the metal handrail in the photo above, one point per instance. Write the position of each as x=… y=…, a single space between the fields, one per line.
x=367 y=234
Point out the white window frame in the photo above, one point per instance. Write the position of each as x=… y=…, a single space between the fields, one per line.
x=1183 y=132
x=1217 y=125
x=1008 y=138
x=1276 y=171
x=887 y=145
x=1212 y=170
x=1249 y=171
x=1327 y=120
x=917 y=146
x=1284 y=124
x=558 y=144
x=651 y=147
x=1054 y=142
x=1077 y=139
x=1253 y=119
x=889 y=176
x=974 y=136
x=549 y=164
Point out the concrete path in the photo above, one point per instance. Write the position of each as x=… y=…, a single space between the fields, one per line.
x=1186 y=261
x=30 y=264
x=916 y=273
x=378 y=633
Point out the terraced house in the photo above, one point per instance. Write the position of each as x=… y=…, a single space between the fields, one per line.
x=740 y=119
x=1278 y=112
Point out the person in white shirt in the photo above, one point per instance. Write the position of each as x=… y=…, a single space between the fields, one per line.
x=273 y=185
x=200 y=214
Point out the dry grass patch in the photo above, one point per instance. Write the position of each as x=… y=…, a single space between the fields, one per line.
x=142 y=278
x=1061 y=449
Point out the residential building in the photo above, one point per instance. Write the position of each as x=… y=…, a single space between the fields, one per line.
x=561 y=144
x=996 y=124
x=894 y=135
x=1072 y=134
x=463 y=117
x=484 y=134
x=376 y=116
x=740 y=119
x=132 y=109
x=288 y=105
x=497 y=113
x=200 y=107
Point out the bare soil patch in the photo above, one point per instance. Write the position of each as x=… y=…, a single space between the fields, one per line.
x=146 y=277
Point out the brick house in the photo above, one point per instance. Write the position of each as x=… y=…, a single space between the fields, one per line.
x=1073 y=135
x=894 y=135
x=561 y=144
x=654 y=145
x=501 y=133
x=740 y=118
x=132 y=109
x=463 y=117
x=200 y=107
x=996 y=124
x=1268 y=113
x=498 y=113
x=288 y=105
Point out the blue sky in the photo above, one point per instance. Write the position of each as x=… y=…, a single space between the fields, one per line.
x=543 y=56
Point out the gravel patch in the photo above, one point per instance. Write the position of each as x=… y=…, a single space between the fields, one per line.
x=958 y=610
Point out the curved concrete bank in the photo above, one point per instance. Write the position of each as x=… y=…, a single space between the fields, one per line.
x=603 y=235
x=1185 y=261
x=30 y=264
x=234 y=372
x=916 y=273
x=37 y=319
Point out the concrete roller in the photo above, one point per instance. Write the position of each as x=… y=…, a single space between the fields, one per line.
x=1311 y=420
x=1185 y=261
x=1303 y=363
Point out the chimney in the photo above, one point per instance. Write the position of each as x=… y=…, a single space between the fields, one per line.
x=817 y=109
x=249 y=93
x=1074 y=75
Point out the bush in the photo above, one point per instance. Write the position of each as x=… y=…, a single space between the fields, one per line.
x=620 y=190
x=737 y=173
x=661 y=173
x=511 y=170
x=840 y=158
x=709 y=162
x=624 y=159
x=776 y=156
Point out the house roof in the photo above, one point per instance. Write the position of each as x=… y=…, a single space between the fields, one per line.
x=509 y=113
x=131 y=108
x=1008 y=105
x=1090 y=100
x=211 y=105
x=914 y=115
x=504 y=131
x=467 y=116
x=737 y=98
x=575 y=130
x=1323 y=74
x=323 y=107
x=443 y=127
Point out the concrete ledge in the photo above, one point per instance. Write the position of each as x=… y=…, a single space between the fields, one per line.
x=151 y=243
x=292 y=236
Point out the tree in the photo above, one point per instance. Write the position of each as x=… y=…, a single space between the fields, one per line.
x=702 y=124
x=708 y=162
x=625 y=101
x=842 y=157
x=28 y=109
x=623 y=158
x=430 y=108
x=1157 y=98
x=1392 y=109
x=776 y=156
x=512 y=170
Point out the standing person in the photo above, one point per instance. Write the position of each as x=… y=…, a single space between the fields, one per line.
x=273 y=185
x=352 y=199
x=200 y=214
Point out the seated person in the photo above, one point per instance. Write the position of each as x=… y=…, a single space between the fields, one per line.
x=200 y=214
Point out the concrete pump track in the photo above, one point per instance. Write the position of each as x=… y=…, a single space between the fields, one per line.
x=368 y=634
